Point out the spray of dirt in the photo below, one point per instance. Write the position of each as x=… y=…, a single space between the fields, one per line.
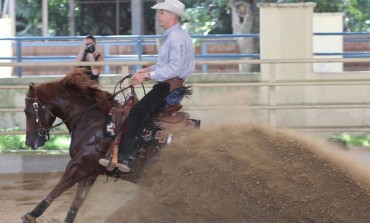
x=250 y=174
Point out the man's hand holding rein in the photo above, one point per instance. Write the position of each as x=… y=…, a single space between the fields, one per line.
x=140 y=77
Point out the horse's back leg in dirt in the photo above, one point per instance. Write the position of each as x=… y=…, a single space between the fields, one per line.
x=71 y=176
x=83 y=188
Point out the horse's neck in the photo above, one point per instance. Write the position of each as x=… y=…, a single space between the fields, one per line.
x=78 y=112
x=71 y=109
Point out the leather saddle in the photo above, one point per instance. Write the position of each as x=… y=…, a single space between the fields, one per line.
x=170 y=118
x=119 y=113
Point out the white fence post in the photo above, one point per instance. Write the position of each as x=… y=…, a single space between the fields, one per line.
x=286 y=33
x=272 y=95
x=6 y=31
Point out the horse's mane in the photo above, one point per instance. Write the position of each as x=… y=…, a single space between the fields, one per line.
x=78 y=84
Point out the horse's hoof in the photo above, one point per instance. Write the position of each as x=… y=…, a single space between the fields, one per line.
x=28 y=218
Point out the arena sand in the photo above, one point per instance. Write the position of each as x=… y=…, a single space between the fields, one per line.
x=244 y=173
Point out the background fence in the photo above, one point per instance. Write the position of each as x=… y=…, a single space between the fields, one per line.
x=273 y=105
x=144 y=48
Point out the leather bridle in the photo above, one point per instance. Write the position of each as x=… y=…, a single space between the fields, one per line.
x=42 y=132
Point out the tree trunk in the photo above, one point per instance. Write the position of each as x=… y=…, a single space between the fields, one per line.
x=242 y=23
x=245 y=20
x=71 y=18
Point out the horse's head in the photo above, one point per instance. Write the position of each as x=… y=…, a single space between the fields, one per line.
x=38 y=117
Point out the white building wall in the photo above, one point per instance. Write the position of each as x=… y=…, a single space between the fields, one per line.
x=6 y=31
x=328 y=22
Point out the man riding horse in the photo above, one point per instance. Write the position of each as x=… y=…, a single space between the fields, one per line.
x=175 y=62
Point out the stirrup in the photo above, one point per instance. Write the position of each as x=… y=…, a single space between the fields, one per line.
x=110 y=163
x=123 y=167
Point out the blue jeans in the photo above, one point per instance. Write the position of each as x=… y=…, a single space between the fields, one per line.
x=175 y=96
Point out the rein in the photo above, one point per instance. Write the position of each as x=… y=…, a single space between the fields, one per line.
x=88 y=108
x=119 y=83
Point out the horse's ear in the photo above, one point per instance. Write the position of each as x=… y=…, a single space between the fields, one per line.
x=31 y=87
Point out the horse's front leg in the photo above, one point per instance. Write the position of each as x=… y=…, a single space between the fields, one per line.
x=71 y=176
x=37 y=211
x=83 y=188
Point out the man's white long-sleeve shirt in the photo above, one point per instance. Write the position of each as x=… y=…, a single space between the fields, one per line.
x=176 y=56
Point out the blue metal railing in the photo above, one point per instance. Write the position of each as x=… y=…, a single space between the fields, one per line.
x=136 y=41
x=360 y=54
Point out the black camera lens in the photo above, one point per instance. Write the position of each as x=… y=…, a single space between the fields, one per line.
x=90 y=48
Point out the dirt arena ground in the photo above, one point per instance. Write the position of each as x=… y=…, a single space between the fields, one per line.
x=232 y=174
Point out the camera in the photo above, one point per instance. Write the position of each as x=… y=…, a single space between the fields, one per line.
x=90 y=48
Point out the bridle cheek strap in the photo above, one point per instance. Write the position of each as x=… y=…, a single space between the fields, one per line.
x=41 y=131
x=36 y=107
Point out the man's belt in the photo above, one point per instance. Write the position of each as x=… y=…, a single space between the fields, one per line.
x=175 y=83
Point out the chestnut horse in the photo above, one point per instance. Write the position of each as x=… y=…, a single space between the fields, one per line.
x=82 y=106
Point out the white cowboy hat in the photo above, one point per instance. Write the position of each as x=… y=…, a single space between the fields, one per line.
x=174 y=6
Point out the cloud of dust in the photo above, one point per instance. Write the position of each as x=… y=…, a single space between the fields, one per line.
x=238 y=169
x=232 y=173
x=230 y=107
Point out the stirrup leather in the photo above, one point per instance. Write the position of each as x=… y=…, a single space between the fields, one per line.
x=113 y=159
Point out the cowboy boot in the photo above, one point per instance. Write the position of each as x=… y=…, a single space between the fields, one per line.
x=122 y=165
x=126 y=158
x=112 y=162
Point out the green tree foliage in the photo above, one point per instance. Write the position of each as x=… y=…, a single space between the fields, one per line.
x=28 y=22
x=358 y=16
x=356 y=12
x=90 y=18
x=100 y=18
x=58 y=18
x=16 y=142
x=212 y=16
x=207 y=16
x=9 y=142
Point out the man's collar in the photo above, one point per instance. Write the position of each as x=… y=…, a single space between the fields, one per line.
x=176 y=26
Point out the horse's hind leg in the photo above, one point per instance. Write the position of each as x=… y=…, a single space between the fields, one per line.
x=83 y=188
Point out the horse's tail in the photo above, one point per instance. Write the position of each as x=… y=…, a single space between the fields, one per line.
x=188 y=90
